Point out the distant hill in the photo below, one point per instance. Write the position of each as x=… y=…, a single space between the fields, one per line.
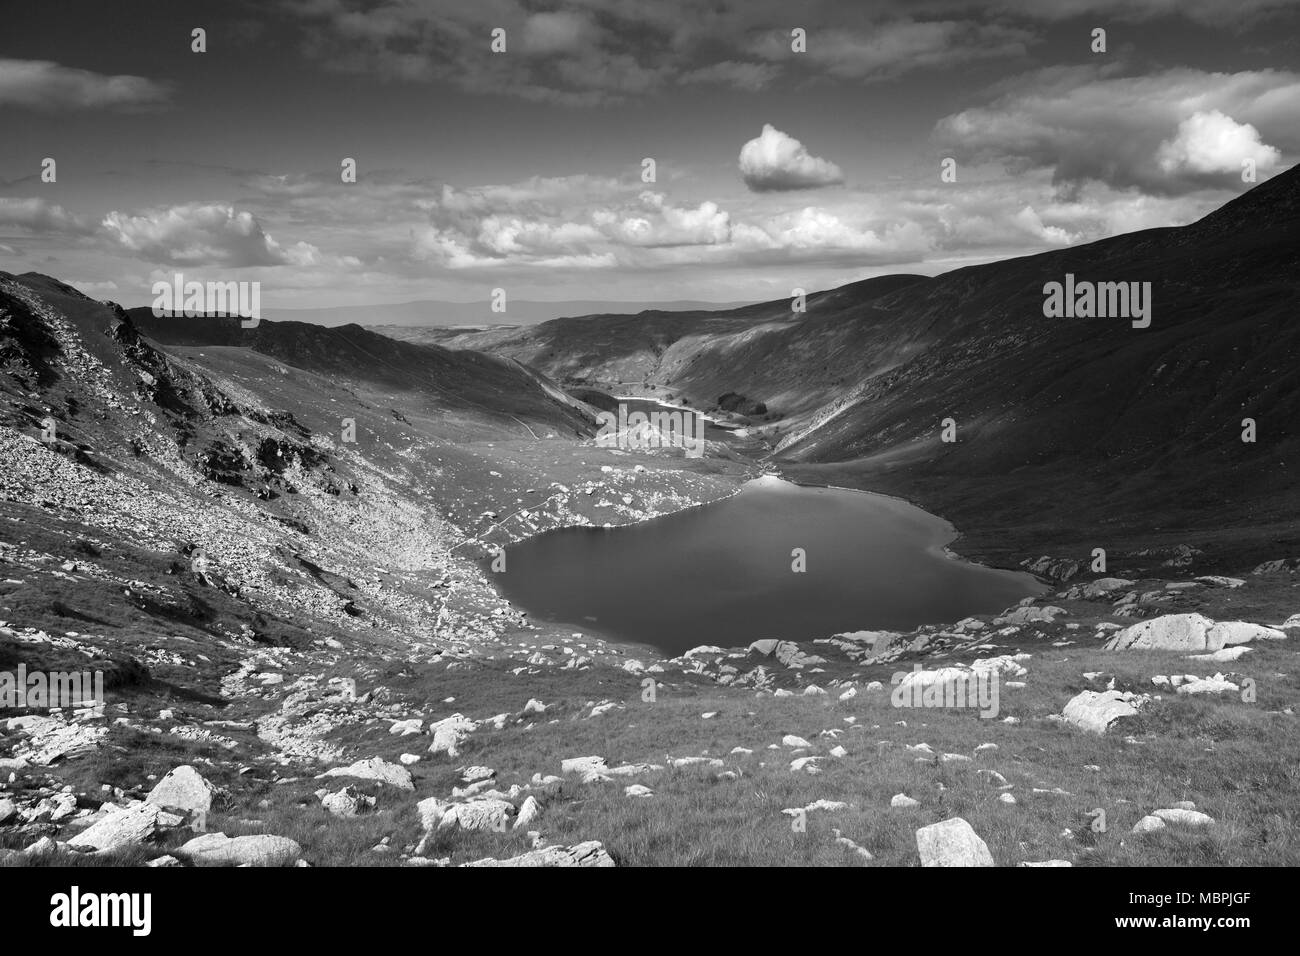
x=432 y=312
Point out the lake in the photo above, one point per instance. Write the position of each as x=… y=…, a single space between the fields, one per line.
x=722 y=573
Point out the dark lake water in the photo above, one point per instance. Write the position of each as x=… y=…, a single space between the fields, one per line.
x=721 y=573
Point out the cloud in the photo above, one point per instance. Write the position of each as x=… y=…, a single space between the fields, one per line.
x=1209 y=142
x=741 y=76
x=776 y=162
x=45 y=85
x=203 y=234
x=580 y=53
x=1168 y=133
x=40 y=217
x=886 y=50
x=559 y=32
x=548 y=224
x=1210 y=12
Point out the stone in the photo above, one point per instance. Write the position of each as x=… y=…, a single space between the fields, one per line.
x=1175 y=632
x=1189 y=632
x=1148 y=824
x=119 y=830
x=8 y=810
x=257 y=850
x=1030 y=615
x=449 y=733
x=1185 y=817
x=1229 y=633
x=903 y=801
x=1095 y=712
x=183 y=789
x=591 y=853
x=481 y=813
x=376 y=768
x=1222 y=655
x=347 y=802
x=529 y=811
x=952 y=843
x=791 y=740
x=588 y=769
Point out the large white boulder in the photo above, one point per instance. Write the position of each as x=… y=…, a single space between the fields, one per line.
x=1171 y=632
x=183 y=789
x=952 y=843
x=119 y=829
x=257 y=850
x=1095 y=712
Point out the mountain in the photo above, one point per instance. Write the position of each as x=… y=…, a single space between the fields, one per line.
x=434 y=313
x=1069 y=430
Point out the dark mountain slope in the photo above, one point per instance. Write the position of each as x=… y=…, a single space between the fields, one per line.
x=498 y=388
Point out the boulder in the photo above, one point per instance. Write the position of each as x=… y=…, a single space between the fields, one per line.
x=1185 y=817
x=529 y=811
x=1095 y=712
x=482 y=813
x=1172 y=632
x=347 y=802
x=1189 y=632
x=119 y=830
x=952 y=843
x=1030 y=615
x=449 y=733
x=589 y=769
x=258 y=850
x=376 y=768
x=591 y=853
x=1231 y=633
x=183 y=789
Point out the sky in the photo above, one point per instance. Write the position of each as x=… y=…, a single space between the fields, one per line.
x=794 y=144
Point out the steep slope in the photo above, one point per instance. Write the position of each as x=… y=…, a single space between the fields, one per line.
x=1064 y=423
x=285 y=482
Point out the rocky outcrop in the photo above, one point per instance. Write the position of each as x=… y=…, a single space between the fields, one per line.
x=1189 y=632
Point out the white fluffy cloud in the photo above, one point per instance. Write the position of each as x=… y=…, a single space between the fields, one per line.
x=214 y=234
x=1210 y=142
x=776 y=162
x=636 y=229
x=45 y=85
